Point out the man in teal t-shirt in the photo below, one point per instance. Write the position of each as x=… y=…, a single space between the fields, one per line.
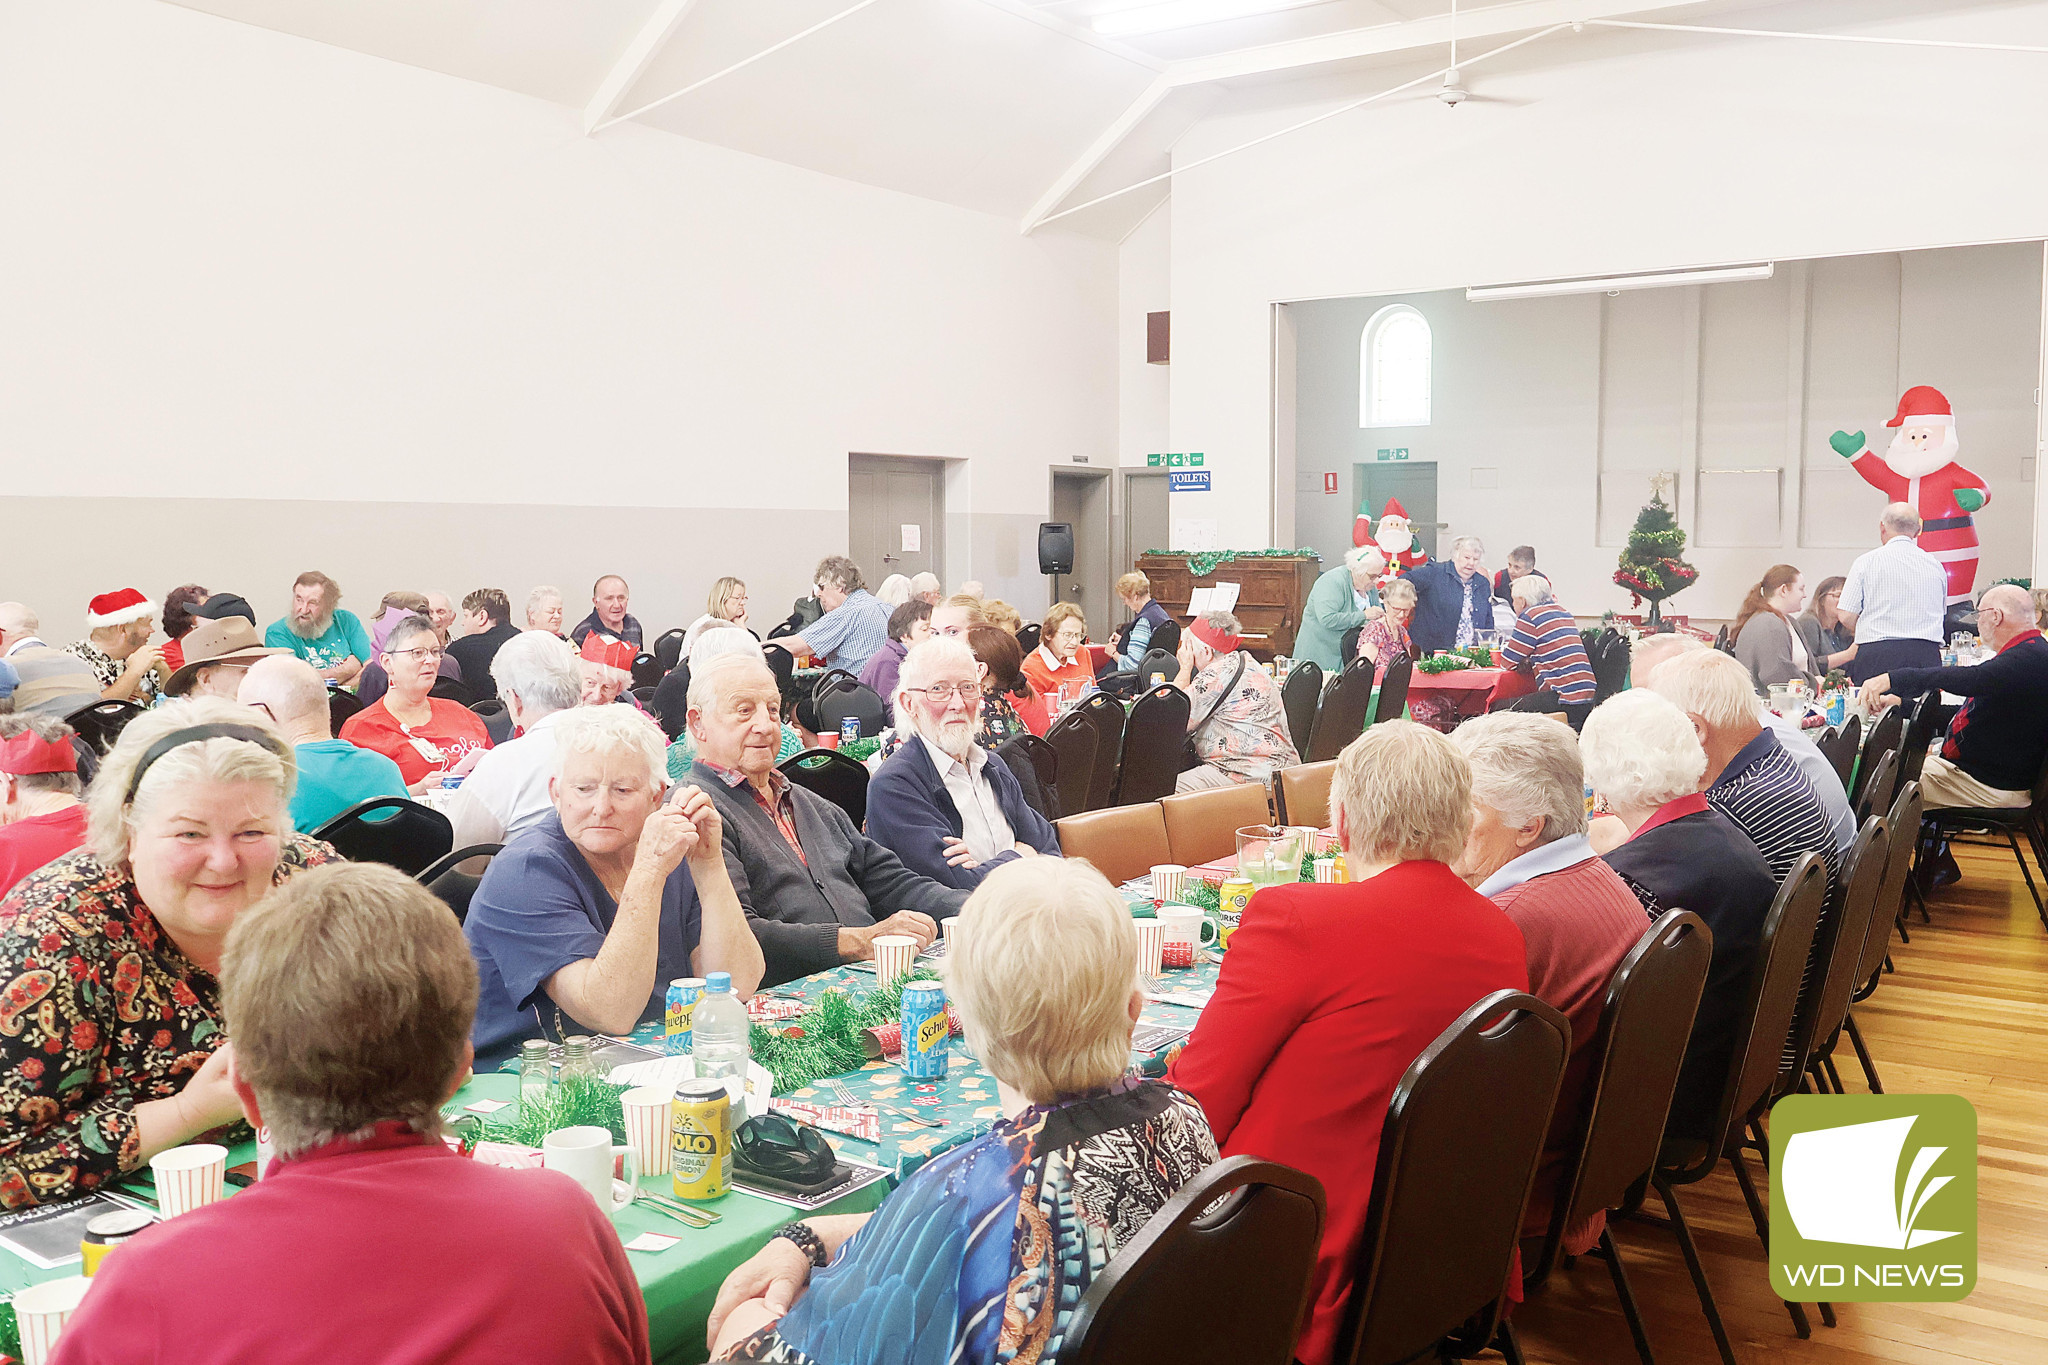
x=333 y=773
x=318 y=631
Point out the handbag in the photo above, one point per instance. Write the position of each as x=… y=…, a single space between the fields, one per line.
x=1190 y=756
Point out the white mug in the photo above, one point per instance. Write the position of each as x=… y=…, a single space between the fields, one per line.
x=583 y=1153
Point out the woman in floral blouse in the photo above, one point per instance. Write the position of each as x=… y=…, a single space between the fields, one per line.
x=111 y=1047
x=1380 y=640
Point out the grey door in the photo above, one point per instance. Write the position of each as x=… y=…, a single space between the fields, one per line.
x=891 y=504
x=1145 y=523
x=1082 y=498
x=1413 y=484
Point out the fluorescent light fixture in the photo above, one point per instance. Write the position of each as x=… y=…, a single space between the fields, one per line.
x=1171 y=14
x=1615 y=284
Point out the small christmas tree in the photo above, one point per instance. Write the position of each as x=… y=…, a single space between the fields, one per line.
x=1650 y=567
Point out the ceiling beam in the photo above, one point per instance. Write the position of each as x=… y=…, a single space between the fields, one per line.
x=1081 y=33
x=634 y=61
x=1107 y=141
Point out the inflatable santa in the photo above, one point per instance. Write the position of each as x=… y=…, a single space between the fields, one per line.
x=1919 y=467
x=1395 y=536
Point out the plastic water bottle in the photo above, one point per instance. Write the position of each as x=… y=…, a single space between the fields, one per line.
x=718 y=1030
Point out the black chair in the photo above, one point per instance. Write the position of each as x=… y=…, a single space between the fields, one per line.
x=1875 y=778
x=1460 y=1145
x=1609 y=657
x=497 y=720
x=1903 y=823
x=1251 y=1225
x=839 y=697
x=1166 y=639
x=1157 y=660
x=1394 y=690
x=340 y=706
x=1036 y=765
x=1863 y=875
x=1721 y=640
x=668 y=649
x=101 y=723
x=1074 y=741
x=390 y=829
x=1343 y=712
x=838 y=778
x=1154 y=744
x=647 y=670
x=1913 y=749
x=455 y=883
x=1028 y=637
x=449 y=689
x=1299 y=696
x=1848 y=744
x=2009 y=821
x=1752 y=1077
x=1636 y=1057
x=1107 y=715
x=1885 y=736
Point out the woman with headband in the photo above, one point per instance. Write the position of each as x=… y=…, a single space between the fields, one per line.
x=111 y=1044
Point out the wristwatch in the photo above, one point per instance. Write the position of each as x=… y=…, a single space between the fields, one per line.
x=806 y=1241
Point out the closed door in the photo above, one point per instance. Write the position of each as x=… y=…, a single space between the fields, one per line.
x=895 y=509
x=1082 y=500
x=1145 y=523
x=1413 y=484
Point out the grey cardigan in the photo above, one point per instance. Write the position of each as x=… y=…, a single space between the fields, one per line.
x=1765 y=649
x=797 y=906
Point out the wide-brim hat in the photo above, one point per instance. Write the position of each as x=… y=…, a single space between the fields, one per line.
x=54 y=683
x=228 y=641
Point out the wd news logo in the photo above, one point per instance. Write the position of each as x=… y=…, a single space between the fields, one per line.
x=1873 y=1198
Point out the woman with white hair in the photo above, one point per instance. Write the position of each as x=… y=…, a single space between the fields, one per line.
x=895 y=590
x=428 y=737
x=671 y=699
x=580 y=923
x=1644 y=762
x=1330 y=991
x=926 y=588
x=1455 y=598
x=113 y=1049
x=1528 y=853
x=1235 y=718
x=544 y=609
x=1343 y=599
x=961 y=1255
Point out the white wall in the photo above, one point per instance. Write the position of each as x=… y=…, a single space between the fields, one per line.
x=1543 y=407
x=242 y=264
x=1645 y=154
x=1144 y=285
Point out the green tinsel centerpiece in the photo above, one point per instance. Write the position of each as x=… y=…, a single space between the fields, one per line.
x=1202 y=563
x=10 y=1331
x=826 y=1040
x=568 y=1105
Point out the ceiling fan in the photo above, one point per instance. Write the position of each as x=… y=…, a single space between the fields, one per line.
x=1454 y=91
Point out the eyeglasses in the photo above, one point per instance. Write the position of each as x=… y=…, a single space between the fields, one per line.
x=420 y=654
x=942 y=693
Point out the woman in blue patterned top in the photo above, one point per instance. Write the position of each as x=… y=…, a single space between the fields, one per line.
x=981 y=1256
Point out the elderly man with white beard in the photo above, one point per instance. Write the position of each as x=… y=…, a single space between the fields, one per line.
x=950 y=809
x=1894 y=599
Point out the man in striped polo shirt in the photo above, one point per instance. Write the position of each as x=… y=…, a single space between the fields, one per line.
x=1749 y=778
x=1546 y=643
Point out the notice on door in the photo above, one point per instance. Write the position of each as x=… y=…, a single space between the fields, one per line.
x=913 y=538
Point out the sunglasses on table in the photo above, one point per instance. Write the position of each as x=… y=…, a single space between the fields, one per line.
x=774 y=1146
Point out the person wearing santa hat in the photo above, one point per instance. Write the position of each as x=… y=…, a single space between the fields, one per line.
x=1919 y=468
x=117 y=648
x=41 y=817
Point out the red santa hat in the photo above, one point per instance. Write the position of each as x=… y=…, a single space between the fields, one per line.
x=1922 y=406
x=599 y=649
x=1393 y=509
x=118 y=609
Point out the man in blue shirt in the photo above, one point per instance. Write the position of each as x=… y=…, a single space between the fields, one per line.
x=333 y=773
x=855 y=623
x=1895 y=599
x=333 y=641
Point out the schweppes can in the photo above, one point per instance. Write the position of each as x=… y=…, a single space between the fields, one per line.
x=700 y=1140
x=683 y=994
x=927 y=1034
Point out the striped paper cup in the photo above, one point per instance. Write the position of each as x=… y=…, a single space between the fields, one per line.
x=189 y=1177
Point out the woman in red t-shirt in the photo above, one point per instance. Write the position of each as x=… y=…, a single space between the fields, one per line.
x=426 y=737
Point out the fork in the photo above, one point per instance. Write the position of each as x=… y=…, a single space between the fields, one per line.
x=847 y=1098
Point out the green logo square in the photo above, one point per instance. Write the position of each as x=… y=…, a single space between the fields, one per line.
x=1154 y=460
x=1873 y=1198
x=1195 y=460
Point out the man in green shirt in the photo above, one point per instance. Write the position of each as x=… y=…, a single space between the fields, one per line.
x=318 y=631
x=1341 y=599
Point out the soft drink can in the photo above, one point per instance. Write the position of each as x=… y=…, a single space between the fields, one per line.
x=700 y=1139
x=927 y=1035
x=849 y=729
x=1234 y=895
x=683 y=994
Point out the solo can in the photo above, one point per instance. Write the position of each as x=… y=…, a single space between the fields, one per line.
x=700 y=1140
x=683 y=994
x=927 y=1034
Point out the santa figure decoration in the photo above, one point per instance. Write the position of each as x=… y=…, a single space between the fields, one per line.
x=1395 y=536
x=1919 y=467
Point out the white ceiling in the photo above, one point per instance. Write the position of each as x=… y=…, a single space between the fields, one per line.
x=1010 y=107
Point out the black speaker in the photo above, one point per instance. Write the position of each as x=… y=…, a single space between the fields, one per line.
x=1055 y=547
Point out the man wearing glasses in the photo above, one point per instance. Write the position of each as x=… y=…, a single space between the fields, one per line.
x=427 y=737
x=333 y=773
x=855 y=624
x=950 y=809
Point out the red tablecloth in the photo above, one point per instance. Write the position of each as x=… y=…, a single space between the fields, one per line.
x=1442 y=700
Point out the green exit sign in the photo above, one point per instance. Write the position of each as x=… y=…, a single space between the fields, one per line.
x=1393 y=452
x=1179 y=460
x=1154 y=460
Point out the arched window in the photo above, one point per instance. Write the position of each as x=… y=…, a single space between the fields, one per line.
x=1393 y=369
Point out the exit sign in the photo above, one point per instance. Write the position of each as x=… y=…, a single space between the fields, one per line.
x=1176 y=460
x=1393 y=453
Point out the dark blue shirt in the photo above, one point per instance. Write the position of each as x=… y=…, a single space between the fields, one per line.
x=539 y=908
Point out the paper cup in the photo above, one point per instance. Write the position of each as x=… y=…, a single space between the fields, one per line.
x=894 y=956
x=584 y=1154
x=647 y=1127
x=1326 y=869
x=189 y=1177
x=951 y=928
x=1169 y=882
x=1151 y=940
x=41 y=1310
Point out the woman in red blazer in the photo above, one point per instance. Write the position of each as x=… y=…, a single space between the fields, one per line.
x=1329 y=992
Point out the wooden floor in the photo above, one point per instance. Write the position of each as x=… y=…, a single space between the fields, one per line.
x=1966 y=1013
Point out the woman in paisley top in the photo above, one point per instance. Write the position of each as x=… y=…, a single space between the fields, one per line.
x=981 y=1255
x=110 y=1038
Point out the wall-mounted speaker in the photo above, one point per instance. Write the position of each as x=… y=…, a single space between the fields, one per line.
x=1055 y=547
